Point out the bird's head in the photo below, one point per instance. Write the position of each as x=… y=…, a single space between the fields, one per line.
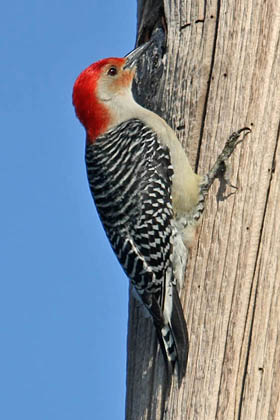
x=102 y=93
x=96 y=93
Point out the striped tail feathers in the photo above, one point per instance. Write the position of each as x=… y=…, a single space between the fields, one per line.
x=180 y=334
x=172 y=335
x=164 y=332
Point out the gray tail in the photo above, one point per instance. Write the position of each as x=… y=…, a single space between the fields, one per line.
x=173 y=339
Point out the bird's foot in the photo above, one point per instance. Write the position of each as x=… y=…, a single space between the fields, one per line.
x=220 y=167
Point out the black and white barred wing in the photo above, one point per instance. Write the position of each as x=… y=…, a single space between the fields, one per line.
x=130 y=177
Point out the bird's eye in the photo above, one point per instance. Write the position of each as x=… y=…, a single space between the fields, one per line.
x=112 y=71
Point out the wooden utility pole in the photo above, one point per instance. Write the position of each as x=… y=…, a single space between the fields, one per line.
x=220 y=71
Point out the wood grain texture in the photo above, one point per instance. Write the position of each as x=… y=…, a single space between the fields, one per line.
x=220 y=72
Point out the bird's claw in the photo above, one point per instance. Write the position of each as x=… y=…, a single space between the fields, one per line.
x=219 y=169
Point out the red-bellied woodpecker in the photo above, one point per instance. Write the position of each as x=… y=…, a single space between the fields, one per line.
x=146 y=193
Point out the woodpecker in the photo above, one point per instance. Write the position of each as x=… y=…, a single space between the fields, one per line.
x=148 y=197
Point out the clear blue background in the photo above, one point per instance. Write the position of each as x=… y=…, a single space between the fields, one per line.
x=63 y=296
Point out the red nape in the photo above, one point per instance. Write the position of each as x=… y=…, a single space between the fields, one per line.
x=91 y=112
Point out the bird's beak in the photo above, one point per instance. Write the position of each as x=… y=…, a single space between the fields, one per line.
x=133 y=56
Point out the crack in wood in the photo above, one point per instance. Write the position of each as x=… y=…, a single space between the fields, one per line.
x=208 y=85
x=186 y=25
x=151 y=16
x=244 y=378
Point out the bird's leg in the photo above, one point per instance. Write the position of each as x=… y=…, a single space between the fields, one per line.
x=219 y=169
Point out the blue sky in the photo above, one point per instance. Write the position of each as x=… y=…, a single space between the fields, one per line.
x=63 y=296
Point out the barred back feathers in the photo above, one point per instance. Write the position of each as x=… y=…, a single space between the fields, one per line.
x=130 y=176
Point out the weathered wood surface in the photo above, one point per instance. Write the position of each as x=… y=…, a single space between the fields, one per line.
x=221 y=71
